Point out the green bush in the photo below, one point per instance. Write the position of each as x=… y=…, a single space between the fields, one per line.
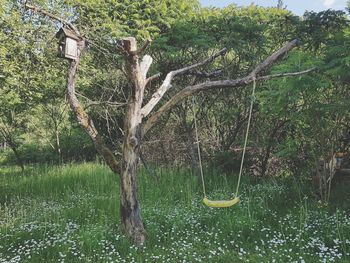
x=75 y=147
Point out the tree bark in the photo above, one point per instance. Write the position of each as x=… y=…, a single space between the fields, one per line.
x=129 y=204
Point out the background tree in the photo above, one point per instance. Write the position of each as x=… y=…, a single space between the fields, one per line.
x=22 y=80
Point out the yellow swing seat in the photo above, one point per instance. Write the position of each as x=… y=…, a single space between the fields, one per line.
x=231 y=202
x=220 y=203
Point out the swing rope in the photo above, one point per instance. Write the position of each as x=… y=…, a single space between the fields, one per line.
x=246 y=136
x=233 y=201
x=198 y=149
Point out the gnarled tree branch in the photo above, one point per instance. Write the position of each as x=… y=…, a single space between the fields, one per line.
x=85 y=121
x=52 y=16
x=210 y=85
x=268 y=62
x=107 y=103
x=150 y=79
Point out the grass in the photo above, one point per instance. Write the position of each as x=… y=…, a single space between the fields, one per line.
x=70 y=214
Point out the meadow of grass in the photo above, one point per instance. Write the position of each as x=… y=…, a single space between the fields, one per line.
x=70 y=214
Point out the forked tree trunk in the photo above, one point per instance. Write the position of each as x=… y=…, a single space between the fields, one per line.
x=129 y=205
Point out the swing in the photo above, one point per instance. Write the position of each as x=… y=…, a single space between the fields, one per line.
x=235 y=200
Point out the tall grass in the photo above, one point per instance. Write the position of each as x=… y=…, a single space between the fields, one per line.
x=71 y=214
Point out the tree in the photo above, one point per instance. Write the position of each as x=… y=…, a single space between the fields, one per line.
x=22 y=82
x=140 y=117
x=49 y=128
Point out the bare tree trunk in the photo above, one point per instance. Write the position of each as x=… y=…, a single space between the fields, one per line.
x=129 y=204
x=58 y=145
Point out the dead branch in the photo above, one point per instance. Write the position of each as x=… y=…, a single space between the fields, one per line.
x=203 y=74
x=281 y=75
x=145 y=64
x=166 y=85
x=107 y=103
x=150 y=79
x=268 y=62
x=52 y=16
x=142 y=49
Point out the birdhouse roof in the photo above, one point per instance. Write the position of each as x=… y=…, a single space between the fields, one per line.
x=67 y=33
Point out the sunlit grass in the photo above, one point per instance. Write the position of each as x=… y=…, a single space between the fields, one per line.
x=71 y=214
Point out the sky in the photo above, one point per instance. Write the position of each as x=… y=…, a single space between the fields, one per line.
x=296 y=6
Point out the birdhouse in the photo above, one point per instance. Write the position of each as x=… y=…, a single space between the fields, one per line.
x=67 y=43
